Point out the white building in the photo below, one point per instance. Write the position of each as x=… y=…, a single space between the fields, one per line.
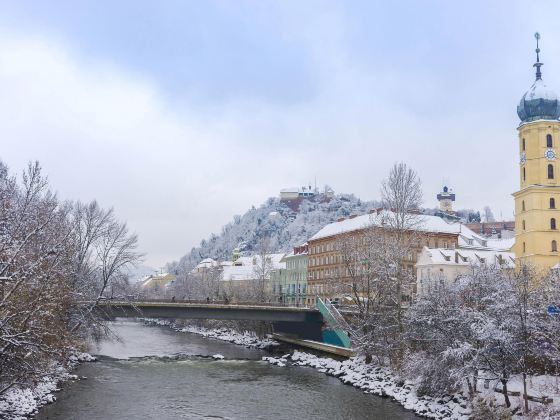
x=247 y=268
x=205 y=265
x=438 y=266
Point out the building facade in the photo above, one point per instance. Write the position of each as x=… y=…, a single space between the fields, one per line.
x=326 y=271
x=289 y=284
x=537 y=203
x=446 y=199
x=437 y=266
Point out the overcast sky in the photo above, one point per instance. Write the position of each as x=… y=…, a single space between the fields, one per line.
x=180 y=114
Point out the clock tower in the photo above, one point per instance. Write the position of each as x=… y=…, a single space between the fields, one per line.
x=537 y=203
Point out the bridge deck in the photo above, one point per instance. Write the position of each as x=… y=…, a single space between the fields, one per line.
x=198 y=310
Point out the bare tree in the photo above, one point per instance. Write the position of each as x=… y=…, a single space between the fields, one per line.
x=378 y=266
x=57 y=260
x=262 y=268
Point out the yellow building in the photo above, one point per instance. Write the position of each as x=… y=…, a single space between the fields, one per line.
x=537 y=203
x=157 y=283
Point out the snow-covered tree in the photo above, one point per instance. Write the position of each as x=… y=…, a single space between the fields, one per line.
x=377 y=264
x=57 y=259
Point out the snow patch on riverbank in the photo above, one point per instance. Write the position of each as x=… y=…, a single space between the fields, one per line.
x=246 y=339
x=21 y=403
x=379 y=381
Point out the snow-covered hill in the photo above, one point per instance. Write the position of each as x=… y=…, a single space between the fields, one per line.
x=278 y=222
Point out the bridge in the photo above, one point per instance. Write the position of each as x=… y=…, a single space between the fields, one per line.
x=210 y=310
x=301 y=323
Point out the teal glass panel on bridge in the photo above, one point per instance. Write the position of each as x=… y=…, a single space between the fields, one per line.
x=334 y=335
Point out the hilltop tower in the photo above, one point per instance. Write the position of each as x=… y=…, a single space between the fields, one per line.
x=537 y=203
x=446 y=199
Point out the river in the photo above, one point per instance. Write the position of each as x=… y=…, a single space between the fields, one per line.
x=156 y=373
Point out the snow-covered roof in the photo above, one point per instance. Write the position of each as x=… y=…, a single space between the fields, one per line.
x=206 y=263
x=469 y=239
x=424 y=223
x=465 y=257
x=290 y=190
x=244 y=267
x=505 y=244
x=162 y=280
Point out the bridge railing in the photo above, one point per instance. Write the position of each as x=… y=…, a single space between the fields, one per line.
x=140 y=299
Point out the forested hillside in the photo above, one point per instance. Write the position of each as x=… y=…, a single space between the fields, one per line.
x=275 y=220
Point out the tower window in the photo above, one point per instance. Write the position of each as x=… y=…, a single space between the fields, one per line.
x=552 y=203
x=554 y=246
x=553 y=223
x=523 y=224
x=523 y=144
x=549 y=140
x=550 y=171
x=524 y=177
x=523 y=205
x=523 y=247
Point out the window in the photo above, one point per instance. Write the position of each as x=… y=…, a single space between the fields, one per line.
x=523 y=205
x=523 y=223
x=524 y=175
x=523 y=247
x=523 y=142
x=549 y=140
x=553 y=223
x=550 y=171
x=552 y=203
x=554 y=246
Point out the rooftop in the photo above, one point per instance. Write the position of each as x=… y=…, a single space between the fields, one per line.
x=422 y=222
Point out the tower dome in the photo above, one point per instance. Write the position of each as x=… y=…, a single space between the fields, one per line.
x=539 y=102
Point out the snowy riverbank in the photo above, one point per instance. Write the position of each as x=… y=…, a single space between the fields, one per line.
x=246 y=339
x=379 y=381
x=21 y=403
x=370 y=379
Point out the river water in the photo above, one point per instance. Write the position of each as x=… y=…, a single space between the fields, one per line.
x=156 y=373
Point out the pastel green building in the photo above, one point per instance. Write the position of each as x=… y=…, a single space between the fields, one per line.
x=289 y=285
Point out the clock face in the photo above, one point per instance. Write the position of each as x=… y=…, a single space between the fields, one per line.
x=522 y=158
x=549 y=154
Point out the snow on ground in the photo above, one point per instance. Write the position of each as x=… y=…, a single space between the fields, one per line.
x=246 y=339
x=373 y=379
x=539 y=386
x=379 y=381
x=21 y=403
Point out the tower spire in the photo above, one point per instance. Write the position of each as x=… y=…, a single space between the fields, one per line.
x=538 y=64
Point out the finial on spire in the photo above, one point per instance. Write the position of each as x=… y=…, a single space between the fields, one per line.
x=538 y=64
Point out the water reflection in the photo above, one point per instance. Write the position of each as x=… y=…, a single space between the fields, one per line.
x=127 y=384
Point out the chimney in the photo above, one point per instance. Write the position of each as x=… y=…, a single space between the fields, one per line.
x=352 y=216
x=340 y=219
